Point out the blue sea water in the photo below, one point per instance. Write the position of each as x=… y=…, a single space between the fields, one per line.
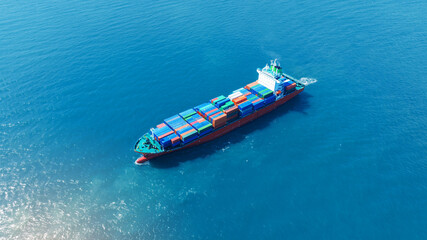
x=81 y=81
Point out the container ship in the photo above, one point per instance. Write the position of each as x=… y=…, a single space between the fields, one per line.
x=221 y=114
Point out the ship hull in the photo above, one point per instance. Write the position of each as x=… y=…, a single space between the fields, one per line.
x=226 y=129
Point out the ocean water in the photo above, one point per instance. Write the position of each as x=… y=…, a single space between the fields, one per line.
x=81 y=81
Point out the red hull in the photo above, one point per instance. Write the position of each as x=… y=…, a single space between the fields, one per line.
x=227 y=128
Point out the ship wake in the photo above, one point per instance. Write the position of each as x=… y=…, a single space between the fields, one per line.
x=307 y=81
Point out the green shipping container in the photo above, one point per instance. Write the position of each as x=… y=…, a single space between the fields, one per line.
x=208 y=106
x=188 y=115
x=266 y=93
x=220 y=98
x=252 y=98
x=227 y=105
x=205 y=127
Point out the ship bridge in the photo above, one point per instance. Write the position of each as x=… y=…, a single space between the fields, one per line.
x=273 y=78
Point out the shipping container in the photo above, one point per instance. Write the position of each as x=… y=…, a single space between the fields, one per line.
x=197 y=108
x=239 y=100
x=188 y=138
x=289 y=87
x=250 y=85
x=227 y=105
x=258 y=103
x=219 y=120
x=238 y=90
x=187 y=113
x=245 y=105
x=231 y=110
x=290 y=90
x=220 y=103
x=161 y=125
x=162 y=131
x=244 y=113
x=215 y=100
x=233 y=117
x=175 y=140
x=234 y=95
x=165 y=142
x=269 y=100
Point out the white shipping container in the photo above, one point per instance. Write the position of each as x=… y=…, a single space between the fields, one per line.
x=234 y=95
x=238 y=90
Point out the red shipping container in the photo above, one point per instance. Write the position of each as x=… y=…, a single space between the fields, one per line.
x=215 y=115
x=174 y=140
x=239 y=99
x=250 y=85
x=166 y=134
x=192 y=123
x=211 y=111
x=176 y=130
x=217 y=124
x=161 y=125
x=201 y=115
x=231 y=110
x=220 y=119
x=289 y=87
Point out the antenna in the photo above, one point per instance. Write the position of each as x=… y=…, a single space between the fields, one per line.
x=266 y=67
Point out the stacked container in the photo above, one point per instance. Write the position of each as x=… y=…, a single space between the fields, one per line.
x=239 y=100
x=243 y=91
x=234 y=95
x=172 y=140
x=226 y=105
x=162 y=130
x=187 y=113
x=213 y=114
x=219 y=101
x=184 y=130
x=219 y=98
x=192 y=123
x=231 y=112
x=250 y=85
x=165 y=136
x=202 y=126
x=262 y=92
x=245 y=108
x=269 y=99
x=197 y=122
x=256 y=101
x=197 y=108
x=289 y=86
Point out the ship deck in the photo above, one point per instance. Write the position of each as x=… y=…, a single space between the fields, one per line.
x=150 y=148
